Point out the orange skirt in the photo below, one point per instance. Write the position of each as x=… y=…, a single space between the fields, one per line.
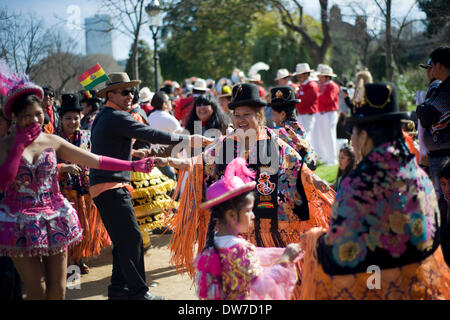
x=425 y=280
x=95 y=236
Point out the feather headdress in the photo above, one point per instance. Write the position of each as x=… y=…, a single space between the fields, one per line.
x=13 y=86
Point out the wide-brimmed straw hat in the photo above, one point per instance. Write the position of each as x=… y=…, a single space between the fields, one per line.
x=282 y=73
x=326 y=71
x=200 y=85
x=237 y=179
x=302 y=68
x=145 y=94
x=117 y=80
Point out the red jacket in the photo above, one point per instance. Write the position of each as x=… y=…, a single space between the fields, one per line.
x=328 y=97
x=308 y=94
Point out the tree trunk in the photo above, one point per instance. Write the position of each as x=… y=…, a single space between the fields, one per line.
x=135 y=60
x=389 y=66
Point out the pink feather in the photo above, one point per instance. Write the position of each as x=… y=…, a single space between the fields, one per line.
x=9 y=80
x=238 y=168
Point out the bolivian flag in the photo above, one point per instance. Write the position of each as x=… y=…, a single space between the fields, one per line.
x=92 y=77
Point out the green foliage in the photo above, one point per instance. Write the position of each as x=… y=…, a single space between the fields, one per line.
x=145 y=65
x=408 y=84
x=438 y=14
x=207 y=38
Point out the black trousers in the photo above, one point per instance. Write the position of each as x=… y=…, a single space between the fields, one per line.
x=117 y=212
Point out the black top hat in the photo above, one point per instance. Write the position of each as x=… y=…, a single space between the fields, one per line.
x=379 y=105
x=283 y=96
x=70 y=102
x=245 y=94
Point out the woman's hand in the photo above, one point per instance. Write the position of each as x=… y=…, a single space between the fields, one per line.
x=320 y=184
x=72 y=169
x=26 y=136
x=180 y=164
x=303 y=144
x=290 y=253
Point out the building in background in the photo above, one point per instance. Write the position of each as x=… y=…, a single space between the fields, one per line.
x=99 y=35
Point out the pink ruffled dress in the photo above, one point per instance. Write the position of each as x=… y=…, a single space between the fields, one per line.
x=35 y=218
x=247 y=272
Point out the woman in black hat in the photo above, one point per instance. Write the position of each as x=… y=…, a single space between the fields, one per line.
x=74 y=184
x=383 y=241
x=285 y=205
x=287 y=127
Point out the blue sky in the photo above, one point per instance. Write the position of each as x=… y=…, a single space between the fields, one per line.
x=62 y=12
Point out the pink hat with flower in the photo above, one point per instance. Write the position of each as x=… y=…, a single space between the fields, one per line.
x=237 y=180
x=13 y=86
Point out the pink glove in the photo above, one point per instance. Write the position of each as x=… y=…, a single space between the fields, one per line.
x=144 y=165
x=8 y=170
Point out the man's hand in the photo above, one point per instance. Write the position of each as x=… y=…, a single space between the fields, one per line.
x=141 y=153
x=198 y=140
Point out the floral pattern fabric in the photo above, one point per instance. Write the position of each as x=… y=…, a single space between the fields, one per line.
x=81 y=139
x=292 y=132
x=385 y=214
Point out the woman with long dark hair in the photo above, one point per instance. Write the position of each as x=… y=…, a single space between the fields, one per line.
x=207 y=111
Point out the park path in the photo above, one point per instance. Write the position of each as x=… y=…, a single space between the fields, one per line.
x=170 y=284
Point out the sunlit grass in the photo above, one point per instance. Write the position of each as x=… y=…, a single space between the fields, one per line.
x=327 y=173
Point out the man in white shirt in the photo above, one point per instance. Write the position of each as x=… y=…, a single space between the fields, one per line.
x=161 y=119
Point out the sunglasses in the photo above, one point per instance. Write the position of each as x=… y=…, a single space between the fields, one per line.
x=126 y=92
x=49 y=94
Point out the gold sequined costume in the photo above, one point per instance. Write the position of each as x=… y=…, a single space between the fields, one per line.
x=151 y=197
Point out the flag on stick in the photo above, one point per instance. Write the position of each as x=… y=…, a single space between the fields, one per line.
x=92 y=77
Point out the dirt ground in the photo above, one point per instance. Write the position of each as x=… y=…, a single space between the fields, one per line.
x=169 y=283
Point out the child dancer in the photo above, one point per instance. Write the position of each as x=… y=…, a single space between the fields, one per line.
x=230 y=268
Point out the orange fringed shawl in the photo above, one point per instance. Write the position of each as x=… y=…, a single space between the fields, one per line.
x=189 y=223
x=425 y=280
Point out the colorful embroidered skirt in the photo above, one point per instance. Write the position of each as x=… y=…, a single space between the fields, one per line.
x=37 y=231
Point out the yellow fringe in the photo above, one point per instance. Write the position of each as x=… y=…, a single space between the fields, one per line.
x=152 y=207
x=154 y=190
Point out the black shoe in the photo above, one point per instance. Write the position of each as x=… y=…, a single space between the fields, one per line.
x=147 y=296
x=115 y=293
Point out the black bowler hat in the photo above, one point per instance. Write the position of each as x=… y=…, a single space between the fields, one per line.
x=378 y=105
x=245 y=94
x=283 y=96
x=70 y=102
